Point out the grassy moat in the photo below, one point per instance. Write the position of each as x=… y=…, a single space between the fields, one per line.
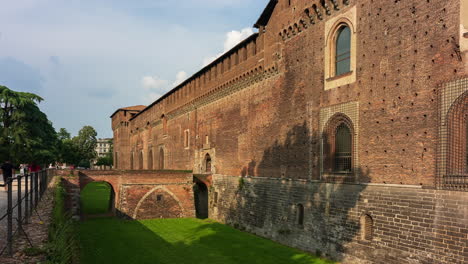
x=172 y=241
x=177 y=241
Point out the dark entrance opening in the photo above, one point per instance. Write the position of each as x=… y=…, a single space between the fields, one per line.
x=97 y=198
x=201 y=200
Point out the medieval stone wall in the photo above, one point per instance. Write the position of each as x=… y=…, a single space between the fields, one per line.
x=410 y=224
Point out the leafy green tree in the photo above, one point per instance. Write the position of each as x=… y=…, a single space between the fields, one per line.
x=26 y=134
x=105 y=161
x=86 y=142
x=63 y=134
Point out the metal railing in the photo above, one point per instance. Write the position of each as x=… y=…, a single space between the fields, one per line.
x=21 y=206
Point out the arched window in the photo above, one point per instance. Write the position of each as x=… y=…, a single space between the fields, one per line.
x=343 y=50
x=300 y=214
x=140 y=160
x=161 y=159
x=343 y=148
x=150 y=159
x=367 y=227
x=457 y=126
x=207 y=163
x=338 y=145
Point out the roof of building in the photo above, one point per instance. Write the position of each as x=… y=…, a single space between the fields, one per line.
x=137 y=108
x=266 y=14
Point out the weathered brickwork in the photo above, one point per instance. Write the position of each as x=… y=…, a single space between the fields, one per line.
x=138 y=195
x=411 y=224
x=267 y=111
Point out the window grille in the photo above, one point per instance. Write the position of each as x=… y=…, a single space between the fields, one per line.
x=453 y=144
x=367 y=227
x=343 y=148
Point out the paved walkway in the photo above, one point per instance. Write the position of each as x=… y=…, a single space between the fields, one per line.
x=3 y=210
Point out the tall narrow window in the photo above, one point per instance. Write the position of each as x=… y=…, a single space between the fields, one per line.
x=140 y=160
x=343 y=147
x=186 y=138
x=150 y=159
x=343 y=51
x=161 y=159
x=367 y=227
x=131 y=161
x=300 y=214
x=207 y=163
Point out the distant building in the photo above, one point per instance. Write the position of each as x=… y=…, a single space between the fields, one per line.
x=103 y=147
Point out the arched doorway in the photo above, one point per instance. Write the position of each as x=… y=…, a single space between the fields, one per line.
x=201 y=200
x=161 y=159
x=207 y=163
x=150 y=159
x=140 y=160
x=97 y=198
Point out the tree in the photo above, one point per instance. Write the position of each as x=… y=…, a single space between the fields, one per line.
x=86 y=142
x=63 y=134
x=26 y=134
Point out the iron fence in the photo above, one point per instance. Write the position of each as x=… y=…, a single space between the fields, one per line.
x=21 y=205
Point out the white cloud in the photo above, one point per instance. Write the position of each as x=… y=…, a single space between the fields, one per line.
x=153 y=83
x=233 y=38
x=180 y=77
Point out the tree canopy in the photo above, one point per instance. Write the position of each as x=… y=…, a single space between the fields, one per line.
x=26 y=134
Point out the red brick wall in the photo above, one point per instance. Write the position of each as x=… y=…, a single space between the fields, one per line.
x=253 y=122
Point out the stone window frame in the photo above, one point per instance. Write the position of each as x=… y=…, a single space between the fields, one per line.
x=351 y=111
x=332 y=28
x=187 y=138
x=452 y=156
x=329 y=144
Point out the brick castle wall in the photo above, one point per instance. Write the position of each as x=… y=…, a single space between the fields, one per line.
x=411 y=224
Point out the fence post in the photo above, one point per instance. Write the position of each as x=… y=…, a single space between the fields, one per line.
x=19 y=203
x=36 y=189
x=10 y=217
x=26 y=198
x=31 y=192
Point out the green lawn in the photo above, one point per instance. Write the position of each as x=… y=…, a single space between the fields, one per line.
x=95 y=198
x=178 y=241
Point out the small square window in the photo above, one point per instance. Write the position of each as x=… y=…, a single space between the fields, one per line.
x=159 y=197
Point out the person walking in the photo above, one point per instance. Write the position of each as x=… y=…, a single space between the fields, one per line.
x=8 y=170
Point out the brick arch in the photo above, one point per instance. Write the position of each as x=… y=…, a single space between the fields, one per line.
x=173 y=208
x=457 y=129
x=85 y=181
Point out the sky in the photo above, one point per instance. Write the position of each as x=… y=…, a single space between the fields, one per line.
x=87 y=58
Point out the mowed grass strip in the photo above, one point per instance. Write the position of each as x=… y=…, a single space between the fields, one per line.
x=95 y=198
x=178 y=241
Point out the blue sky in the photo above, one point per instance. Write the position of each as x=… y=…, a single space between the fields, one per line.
x=89 y=57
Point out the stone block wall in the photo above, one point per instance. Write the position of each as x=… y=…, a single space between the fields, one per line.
x=410 y=224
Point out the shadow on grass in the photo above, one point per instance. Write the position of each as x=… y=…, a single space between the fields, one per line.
x=176 y=241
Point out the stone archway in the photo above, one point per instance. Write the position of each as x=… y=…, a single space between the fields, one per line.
x=201 y=200
x=97 y=198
